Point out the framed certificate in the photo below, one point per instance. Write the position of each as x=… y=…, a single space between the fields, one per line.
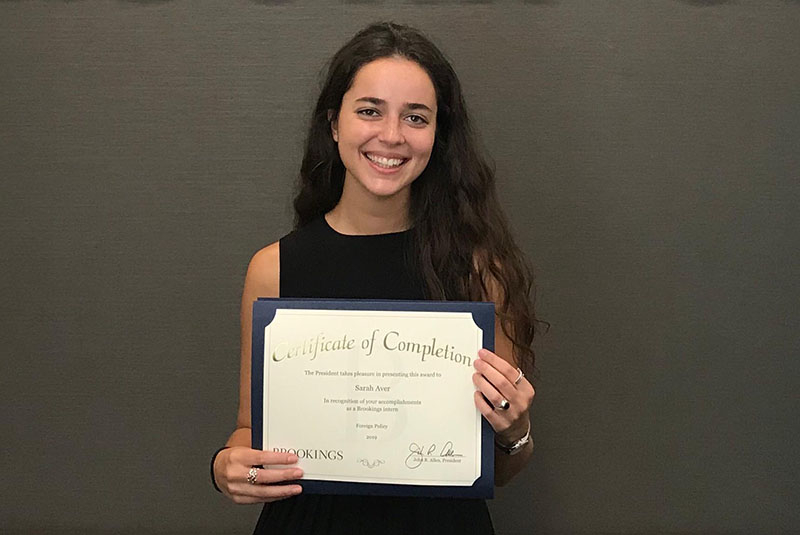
x=374 y=397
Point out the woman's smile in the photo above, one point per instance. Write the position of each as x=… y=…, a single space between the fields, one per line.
x=385 y=163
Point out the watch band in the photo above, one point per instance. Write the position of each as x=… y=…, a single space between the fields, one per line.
x=517 y=446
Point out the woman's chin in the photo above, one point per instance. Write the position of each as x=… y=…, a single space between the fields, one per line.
x=388 y=191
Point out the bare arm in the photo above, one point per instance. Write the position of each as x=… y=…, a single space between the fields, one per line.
x=507 y=466
x=495 y=377
x=233 y=465
x=262 y=280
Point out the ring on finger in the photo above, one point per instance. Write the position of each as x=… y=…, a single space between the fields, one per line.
x=252 y=475
x=503 y=405
x=519 y=377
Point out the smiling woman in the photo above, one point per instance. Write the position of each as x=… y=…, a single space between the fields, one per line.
x=395 y=202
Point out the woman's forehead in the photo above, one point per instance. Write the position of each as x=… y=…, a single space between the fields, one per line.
x=394 y=80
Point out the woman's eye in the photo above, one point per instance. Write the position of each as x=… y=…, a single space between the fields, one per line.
x=368 y=112
x=417 y=119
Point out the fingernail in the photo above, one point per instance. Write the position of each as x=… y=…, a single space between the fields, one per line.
x=298 y=474
x=293 y=458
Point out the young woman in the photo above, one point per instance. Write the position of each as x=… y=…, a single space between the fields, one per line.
x=395 y=202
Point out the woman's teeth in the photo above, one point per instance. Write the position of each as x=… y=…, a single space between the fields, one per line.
x=384 y=162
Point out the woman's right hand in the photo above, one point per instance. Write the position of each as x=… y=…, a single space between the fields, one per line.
x=232 y=466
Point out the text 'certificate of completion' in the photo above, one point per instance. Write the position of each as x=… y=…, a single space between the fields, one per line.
x=374 y=397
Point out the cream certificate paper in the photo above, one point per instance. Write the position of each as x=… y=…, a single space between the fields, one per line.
x=374 y=396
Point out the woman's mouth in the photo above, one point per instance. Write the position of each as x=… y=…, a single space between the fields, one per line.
x=384 y=162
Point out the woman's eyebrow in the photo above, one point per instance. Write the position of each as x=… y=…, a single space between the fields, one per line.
x=372 y=100
x=418 y=106
x=380 y=102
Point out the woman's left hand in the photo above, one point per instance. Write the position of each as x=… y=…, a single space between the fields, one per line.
x=498 y=381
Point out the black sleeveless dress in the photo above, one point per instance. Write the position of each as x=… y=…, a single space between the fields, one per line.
x=318 y=262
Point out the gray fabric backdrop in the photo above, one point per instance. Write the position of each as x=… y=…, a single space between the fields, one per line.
x=647 y=153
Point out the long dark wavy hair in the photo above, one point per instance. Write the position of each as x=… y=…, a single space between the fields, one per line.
x=462 y=243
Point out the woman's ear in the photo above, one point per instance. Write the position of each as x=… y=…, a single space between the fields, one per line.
x=334 y=125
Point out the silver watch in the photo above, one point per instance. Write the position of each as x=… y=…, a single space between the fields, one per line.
x=517 y=446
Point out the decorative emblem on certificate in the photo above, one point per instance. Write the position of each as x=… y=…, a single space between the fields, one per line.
x=374 y=397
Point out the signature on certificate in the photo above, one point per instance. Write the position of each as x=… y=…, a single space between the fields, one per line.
x=419 y=453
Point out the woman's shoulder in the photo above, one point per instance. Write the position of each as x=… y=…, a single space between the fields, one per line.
x=310 y=232
x=263 y=273
x=267 y=257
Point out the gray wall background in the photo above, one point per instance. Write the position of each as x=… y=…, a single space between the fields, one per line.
x=647 y=153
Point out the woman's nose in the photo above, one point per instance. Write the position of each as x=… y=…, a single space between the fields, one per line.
x=391 y=132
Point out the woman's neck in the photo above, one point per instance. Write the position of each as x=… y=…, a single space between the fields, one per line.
x=366 y=214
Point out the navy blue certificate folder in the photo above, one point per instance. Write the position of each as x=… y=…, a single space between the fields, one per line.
x=264 y=310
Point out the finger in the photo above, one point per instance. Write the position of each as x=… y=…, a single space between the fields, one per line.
x=483 y=405
x=280 y=492
x=491 y=393
x=509 y=372
x=267 y=476
x=268 y=485
x=251 y=457
x=265 y=493
x=504 y=387
x=500 y=364
x=488 y=412
x=277 y=458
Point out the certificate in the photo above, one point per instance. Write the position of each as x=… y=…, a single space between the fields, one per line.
x=374 y=397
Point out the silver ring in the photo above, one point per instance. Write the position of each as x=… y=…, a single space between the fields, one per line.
x=519 y=377
x=504 y=405
x=252 y=475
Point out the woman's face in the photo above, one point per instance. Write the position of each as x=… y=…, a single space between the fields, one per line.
x=386 y=127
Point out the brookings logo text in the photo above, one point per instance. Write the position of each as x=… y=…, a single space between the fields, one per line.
x=303 y=453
